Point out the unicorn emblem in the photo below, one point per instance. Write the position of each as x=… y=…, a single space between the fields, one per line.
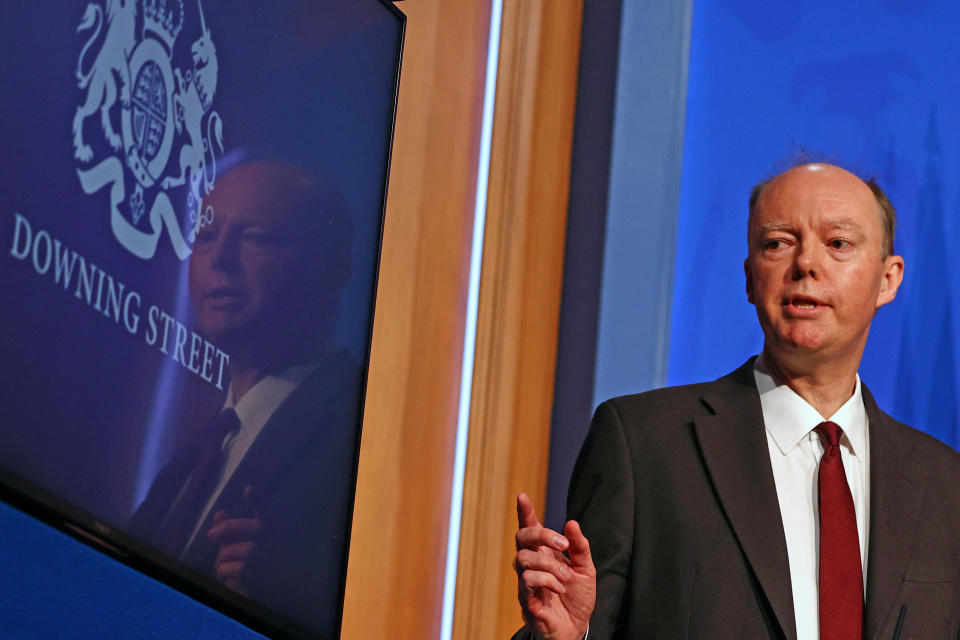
x=192 y=102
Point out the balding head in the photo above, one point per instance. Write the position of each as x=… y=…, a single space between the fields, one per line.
x=843 y=179
x=267 y=269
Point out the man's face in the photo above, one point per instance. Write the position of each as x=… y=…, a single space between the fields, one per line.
x=815 y=269
x=249 y=268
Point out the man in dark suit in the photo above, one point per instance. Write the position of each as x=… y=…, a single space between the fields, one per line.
x=260 y=500
x=777 y=501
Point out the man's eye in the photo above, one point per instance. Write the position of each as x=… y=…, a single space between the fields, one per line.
x=206 y=236
x=773 y=244
x=262 y=240
x=839 y=243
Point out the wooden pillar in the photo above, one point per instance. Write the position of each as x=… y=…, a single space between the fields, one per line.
x=398 y=543
x=519 y=304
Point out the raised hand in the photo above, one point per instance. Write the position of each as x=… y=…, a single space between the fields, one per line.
x=237 y=537
x=557 y=591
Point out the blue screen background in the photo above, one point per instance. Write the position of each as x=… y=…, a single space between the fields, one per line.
x=91 y=411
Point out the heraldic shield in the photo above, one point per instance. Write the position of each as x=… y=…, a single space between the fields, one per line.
x=162 y=109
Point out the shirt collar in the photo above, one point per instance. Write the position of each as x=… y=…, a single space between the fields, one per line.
x=789 y=418
x=258 y=404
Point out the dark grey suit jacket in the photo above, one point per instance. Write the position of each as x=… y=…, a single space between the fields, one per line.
x=302 y=466
x=675 y=491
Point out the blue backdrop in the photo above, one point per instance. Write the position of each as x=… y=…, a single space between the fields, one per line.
x=868 y=85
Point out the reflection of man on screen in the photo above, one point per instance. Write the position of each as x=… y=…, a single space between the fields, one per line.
x=259 y=500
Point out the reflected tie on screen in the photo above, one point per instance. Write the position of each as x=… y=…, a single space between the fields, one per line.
x=182 y=516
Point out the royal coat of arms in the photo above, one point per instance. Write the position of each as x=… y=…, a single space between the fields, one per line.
x=168 y=132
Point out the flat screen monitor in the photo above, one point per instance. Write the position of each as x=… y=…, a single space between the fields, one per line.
x=191 y=204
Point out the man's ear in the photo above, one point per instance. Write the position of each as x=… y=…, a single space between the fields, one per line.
x=746 y=272
x=890 y=280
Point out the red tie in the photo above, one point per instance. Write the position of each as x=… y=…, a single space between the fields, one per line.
x=183 y=515
x=841 y=575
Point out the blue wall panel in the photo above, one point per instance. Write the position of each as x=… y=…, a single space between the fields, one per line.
x=644 y=189
x=624 y=191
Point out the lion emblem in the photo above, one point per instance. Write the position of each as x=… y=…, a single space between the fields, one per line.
x=110 y=63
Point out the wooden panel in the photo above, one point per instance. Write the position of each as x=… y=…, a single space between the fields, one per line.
x=519 y=304
x=398 y=545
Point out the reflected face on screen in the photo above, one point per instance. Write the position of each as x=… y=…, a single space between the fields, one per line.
x=255 y=272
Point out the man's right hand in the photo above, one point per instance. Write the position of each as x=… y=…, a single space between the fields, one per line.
x=237 y=538
x=557 y=593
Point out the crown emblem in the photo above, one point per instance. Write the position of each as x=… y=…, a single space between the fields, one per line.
x=162 y=21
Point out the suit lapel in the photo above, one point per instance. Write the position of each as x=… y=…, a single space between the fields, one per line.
x=150 y=514
x=896 y=494
x=734 y=447
x=286 y=434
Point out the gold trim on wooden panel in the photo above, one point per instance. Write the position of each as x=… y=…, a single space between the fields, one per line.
x=398 y=543
x=519 y=307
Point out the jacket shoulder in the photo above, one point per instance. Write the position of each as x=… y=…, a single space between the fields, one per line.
x=683 y=402
x=657 y=400
x=938 y=454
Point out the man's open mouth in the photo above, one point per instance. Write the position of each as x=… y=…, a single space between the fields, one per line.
x=804 y=303
x=226 y=292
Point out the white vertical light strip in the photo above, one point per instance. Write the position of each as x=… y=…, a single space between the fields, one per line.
x=470 y=330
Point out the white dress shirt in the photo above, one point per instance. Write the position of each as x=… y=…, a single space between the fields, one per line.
x=253 y=409
x=795 y=452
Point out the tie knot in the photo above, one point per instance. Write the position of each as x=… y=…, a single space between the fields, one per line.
x=829 y=433
x=226 y=422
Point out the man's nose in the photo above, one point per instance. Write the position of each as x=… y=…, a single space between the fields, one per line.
x=806 y=261
x=226 y=254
